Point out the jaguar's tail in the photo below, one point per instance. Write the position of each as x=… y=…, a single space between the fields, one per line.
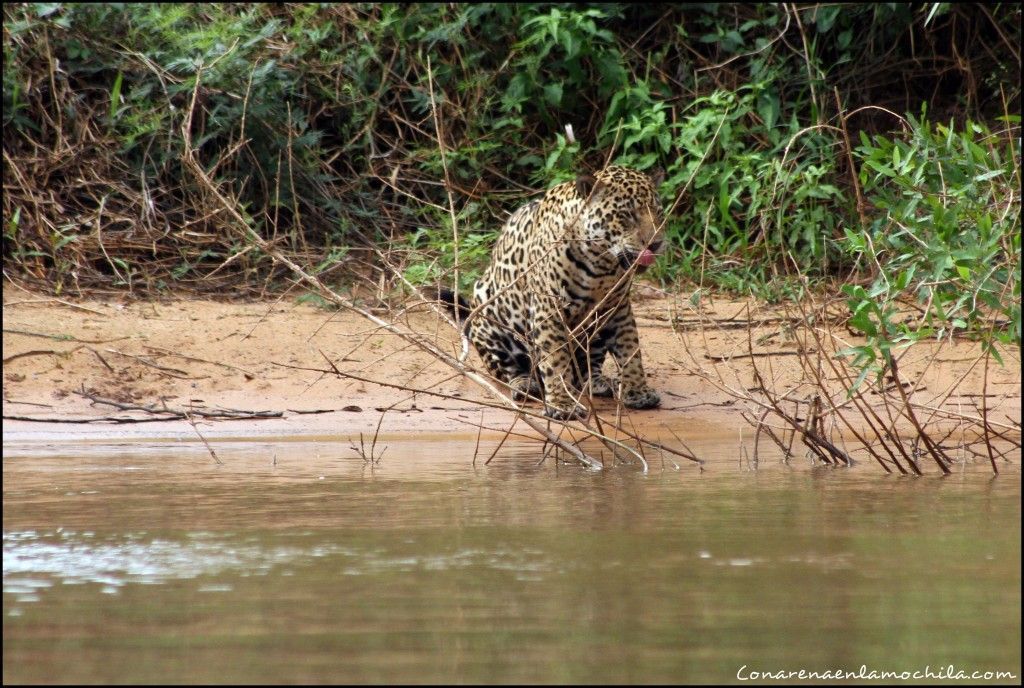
x=457 y=305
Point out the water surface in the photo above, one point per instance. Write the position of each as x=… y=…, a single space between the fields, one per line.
x=296 y=562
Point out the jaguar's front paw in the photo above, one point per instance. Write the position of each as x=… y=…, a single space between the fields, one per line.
x=564 y=409
x=523 y=387
x=643 y=398
x=600 y=386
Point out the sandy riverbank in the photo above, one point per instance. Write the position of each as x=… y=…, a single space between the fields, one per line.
x=202 y=355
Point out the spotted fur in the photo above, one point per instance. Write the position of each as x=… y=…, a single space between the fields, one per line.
x=555 y=298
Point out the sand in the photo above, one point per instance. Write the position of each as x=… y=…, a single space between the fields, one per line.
x=198 y=355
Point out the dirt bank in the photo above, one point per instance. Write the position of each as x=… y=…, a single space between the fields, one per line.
x=229 y=357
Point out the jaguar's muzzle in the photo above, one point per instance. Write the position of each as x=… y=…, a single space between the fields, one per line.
x=642 y=260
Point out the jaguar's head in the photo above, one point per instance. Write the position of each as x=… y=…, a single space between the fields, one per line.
x=623 y=215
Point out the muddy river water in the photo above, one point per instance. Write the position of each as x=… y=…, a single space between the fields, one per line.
x=294 y=561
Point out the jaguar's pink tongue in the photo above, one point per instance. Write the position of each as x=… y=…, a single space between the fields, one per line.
x=646 y=257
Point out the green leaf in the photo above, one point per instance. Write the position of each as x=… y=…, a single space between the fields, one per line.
x=45 y=9
x=859 y=381
x=879 y=167
x=862 y=321
x=988 y=175
x=115 y=96
x=553 y=94
x=64 y=240
x=825 y=17
x=768 y=109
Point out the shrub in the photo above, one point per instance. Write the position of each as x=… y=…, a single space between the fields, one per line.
x=947 y=237
x=322 y=123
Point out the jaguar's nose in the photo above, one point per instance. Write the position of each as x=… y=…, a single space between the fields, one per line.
x=655 y=246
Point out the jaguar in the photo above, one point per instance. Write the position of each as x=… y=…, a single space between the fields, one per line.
x=555 y=299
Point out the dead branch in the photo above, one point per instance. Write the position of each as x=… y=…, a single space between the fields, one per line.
x=183 y=414
x=62 y=337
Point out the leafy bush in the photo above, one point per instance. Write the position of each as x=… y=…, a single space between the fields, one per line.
x=947 y=237
x=322 y=123
x=753 y=191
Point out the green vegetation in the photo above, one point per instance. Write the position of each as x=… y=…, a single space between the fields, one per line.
x=947 y=237
x=783 y=132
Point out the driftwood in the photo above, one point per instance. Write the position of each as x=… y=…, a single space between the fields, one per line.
x=155 y=413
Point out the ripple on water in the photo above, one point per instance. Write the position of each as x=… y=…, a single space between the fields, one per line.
x=34 y=561
x=76 y=558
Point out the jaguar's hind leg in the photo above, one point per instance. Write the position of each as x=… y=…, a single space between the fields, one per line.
x=506 y=360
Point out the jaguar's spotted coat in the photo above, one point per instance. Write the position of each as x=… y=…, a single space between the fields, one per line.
x=555 y=297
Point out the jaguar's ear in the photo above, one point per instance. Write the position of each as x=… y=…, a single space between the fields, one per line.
x=657 y=176
x=585 y=185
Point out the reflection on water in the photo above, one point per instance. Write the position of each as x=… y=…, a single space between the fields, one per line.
x=76 y=558
x=295 y=562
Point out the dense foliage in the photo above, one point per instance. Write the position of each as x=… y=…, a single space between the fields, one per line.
x=830 y=140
